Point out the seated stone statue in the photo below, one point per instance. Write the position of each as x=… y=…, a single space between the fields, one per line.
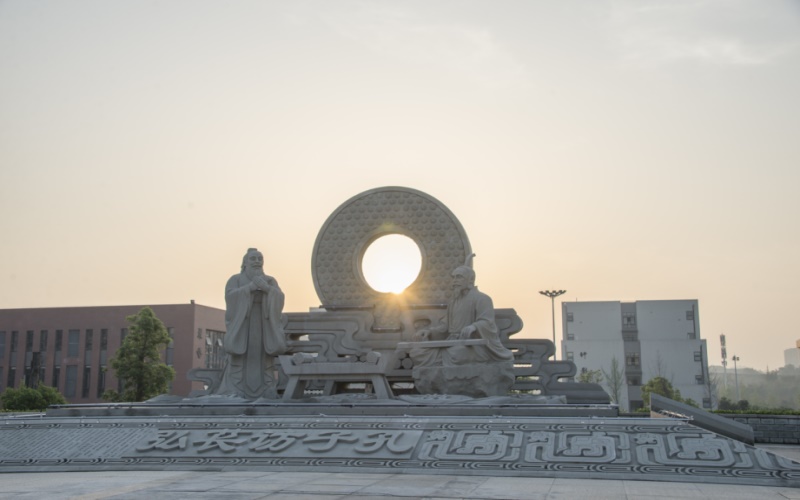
x=457 y=367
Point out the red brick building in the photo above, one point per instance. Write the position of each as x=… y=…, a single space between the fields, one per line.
x=70 y=347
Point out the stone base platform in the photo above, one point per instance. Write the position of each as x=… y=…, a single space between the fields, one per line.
x=344 y=405
x=665 y=449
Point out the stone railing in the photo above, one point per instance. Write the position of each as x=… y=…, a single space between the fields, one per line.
x=770 y=429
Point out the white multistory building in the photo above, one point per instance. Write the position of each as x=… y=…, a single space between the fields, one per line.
x=648 y=338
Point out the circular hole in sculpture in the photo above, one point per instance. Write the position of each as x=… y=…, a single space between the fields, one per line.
x=391 y=263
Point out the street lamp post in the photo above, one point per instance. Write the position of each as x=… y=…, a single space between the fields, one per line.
x=553 y=294
x=736 y=377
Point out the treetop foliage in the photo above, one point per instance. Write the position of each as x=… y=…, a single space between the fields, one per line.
x=662 y=387
x=29 y=399
x=138 y=361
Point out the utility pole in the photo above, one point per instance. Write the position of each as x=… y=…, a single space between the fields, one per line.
x=724 y=360
x=553 y=294
x=736 y=377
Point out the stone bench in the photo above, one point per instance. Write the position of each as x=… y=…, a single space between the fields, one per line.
x=302 y=368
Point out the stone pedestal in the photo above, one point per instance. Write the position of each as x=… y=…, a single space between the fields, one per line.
x=473 y=380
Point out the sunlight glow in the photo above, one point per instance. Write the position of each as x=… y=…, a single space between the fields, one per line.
x=391 y=263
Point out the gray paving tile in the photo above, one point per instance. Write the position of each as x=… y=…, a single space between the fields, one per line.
x=514 y=488
x=304 y=496
x=792 y=493
x=199 y=485
x=359 y=486
x=413 y=485
x=182 y=496
x=364 y=481
x=314 y=487
x=732 y=492
x=86 y=484
x=648 y=489
x=586 y=488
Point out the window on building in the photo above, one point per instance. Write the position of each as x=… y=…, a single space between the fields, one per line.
x=700 y=379
x=72 y=381
x=570 y=336
x=43 y=341
x=87 y=378
x=101 y=381
x=634 y=381
x=29 y=341
x=570 y=356
x=706 y=402
x=698 y=356
x=89 y=340
x=628 y=320
x=56 y=376
x=103 y=346
x=59 y=340
x=690 y=315
x=87 y=353
x=123 y=332
x=570 y=317
x=14 y=341
x=691 y=336
x=73 y=340
x=2 y=345
x=632 y=359
x=12 y=377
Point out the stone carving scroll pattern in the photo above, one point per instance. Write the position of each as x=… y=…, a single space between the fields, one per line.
x=511 y=447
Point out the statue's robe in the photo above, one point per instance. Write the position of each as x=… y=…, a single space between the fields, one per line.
x=471 y=307
x=254 y=336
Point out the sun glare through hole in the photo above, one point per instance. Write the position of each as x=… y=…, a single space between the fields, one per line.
x=391 y=263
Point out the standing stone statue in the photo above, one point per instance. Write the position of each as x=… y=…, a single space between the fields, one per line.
x=457 y=367
x=254 y=335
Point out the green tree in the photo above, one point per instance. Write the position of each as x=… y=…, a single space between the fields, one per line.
x=138 y=361
x=660 y=386
x=615 y=381
x=591 y=376
x=29 y=399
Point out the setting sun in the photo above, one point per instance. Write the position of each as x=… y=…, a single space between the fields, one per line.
x=391 y=263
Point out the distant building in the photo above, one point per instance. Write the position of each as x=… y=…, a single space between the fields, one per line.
x=648 y=338
x=70 y=347
x=792 y=356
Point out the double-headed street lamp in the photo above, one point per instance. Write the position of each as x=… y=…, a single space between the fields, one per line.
x=553 y=294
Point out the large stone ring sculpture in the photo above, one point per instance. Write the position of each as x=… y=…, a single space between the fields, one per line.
x=351 y=228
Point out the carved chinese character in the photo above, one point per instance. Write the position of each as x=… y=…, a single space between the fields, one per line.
x=275 y=440
x=167 y=441
x=330 y=439
x=378 y=440
x=224 y=440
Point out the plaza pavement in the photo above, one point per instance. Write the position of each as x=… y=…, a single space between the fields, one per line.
x=360 y=486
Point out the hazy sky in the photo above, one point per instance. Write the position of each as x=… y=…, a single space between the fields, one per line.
x=620 y=150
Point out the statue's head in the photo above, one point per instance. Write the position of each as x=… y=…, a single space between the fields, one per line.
x=253 y=259
x=463 y=278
